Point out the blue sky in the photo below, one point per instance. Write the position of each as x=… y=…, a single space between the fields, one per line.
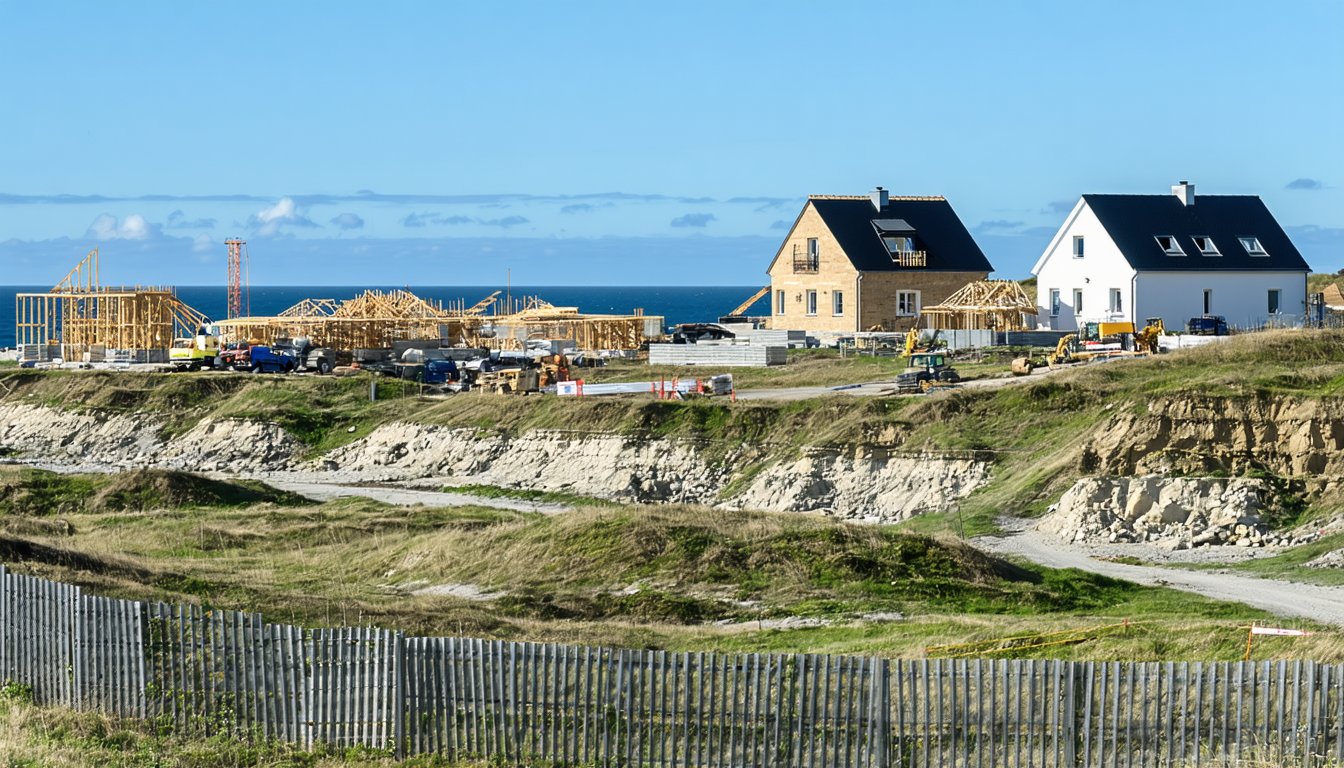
x=633 y=143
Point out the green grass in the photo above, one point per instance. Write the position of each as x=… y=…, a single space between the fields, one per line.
x=27 y=491
x=548 y=497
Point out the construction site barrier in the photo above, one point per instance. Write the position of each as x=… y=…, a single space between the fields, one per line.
x=231 y=673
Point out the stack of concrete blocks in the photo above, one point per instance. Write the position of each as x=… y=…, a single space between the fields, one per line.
x=729 y=353
x=771 y=337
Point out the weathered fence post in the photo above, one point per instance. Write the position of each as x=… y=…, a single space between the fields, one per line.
x=399 y=694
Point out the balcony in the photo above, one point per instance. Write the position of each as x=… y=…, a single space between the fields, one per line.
x=910 y=258
x=805 y=262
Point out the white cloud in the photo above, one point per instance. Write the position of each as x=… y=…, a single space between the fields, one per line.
x=203 y=243
x=133 y=227
x=267 y=222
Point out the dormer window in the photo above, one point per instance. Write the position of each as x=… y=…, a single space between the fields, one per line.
x=1206 y=246
x=899 y=244
x=1170 y=246
x=1252 y=246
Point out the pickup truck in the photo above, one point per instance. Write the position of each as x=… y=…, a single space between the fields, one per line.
x=271 y=360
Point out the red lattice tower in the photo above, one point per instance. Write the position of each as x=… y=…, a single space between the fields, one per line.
x=240 y=300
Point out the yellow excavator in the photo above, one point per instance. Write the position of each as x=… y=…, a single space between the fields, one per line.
x=912 y=345
x=1145 y=343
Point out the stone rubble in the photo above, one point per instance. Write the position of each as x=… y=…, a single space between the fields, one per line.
x=1172 y=513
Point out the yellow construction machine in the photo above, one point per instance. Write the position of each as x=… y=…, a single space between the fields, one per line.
x=912 y=345
x=1145 y=343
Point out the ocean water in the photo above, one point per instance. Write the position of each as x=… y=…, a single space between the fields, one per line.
x=677 y=305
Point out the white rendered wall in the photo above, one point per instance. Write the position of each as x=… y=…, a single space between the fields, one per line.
x=1101 y=269
x=1241 y=297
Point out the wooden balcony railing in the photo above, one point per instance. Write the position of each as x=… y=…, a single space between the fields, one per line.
x=910 y=258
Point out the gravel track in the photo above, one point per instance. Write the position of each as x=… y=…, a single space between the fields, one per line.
x=1309 y=601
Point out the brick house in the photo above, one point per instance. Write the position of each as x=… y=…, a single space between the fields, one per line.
x=858 y=263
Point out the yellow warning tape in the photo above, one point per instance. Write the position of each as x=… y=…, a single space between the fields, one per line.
x=998 y=645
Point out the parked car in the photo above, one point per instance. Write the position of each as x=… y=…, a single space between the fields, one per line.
x=1208 y=325
x=272 y=360
x=235 y=355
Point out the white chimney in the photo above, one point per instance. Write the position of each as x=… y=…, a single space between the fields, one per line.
x=1185 y=191
x=879 y=197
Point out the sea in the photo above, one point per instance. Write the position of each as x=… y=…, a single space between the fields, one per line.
x=676 y=304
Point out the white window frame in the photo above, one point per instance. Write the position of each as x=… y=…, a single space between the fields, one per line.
x=1277 y=293
x=1209 y=249
x=1172 y=248
x=1117 y=305
x=1053 y=296
x=779 y=302
x=1208 y=301
x=902 y=298
x=1077 y=301
x=1254 y=248
x=1078 y=242
x=811 y=306
x=813 y=248
x=837 y=303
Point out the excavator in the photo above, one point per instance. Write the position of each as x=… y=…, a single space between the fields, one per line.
x=912 y=345
x=1145 y=343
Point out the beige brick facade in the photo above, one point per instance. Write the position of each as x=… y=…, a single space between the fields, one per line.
x=875 y=295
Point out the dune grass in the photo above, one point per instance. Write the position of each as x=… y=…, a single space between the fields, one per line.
x=656 y=577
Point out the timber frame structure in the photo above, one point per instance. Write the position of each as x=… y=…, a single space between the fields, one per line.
x=376 y=319
x=80 y=312
x=998 y=305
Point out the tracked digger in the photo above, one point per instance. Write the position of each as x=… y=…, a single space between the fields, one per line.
x=1145 y=342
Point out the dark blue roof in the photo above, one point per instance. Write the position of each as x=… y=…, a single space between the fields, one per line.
x=938 y=232
x=1135 y=222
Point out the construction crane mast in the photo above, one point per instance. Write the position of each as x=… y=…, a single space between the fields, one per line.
x=240 y=293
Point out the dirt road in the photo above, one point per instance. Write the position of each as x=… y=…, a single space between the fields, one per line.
x=879 y=388
x=1323 y=604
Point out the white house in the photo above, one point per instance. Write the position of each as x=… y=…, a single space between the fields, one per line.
x=1127 y=258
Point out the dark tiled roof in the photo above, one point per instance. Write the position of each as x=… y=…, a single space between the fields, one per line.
x=1135 y=221
x=938 y=231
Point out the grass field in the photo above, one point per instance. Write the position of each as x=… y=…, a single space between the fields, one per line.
x=670 y=577
x=650 y=576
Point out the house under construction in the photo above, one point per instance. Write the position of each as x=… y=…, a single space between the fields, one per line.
x=376 y=319
x=998 y=305
x=81 y=316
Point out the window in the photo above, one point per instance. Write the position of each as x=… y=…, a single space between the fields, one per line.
x=813 y=250
x=907 y=303
x=1274 y=301
x=1077 y=301
x=837 y=303
x=811 y=302
x=1206 y=246
x=1208 y=301
x=1117 y=304
x=1054 y=302
x=899 y=244
x=779 y=302
x=1252 y=246
x=1170 y=245
x=1077 y=247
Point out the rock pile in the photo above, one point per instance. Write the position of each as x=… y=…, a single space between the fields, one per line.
x=1169 y=512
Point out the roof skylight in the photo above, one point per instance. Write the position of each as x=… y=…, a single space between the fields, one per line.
x=1170 y=245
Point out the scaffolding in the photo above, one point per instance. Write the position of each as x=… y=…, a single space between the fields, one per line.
x=376 y=319
x=79 y=313
x=998 y=305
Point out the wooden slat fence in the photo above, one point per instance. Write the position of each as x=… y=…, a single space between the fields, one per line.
x=227 y=672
